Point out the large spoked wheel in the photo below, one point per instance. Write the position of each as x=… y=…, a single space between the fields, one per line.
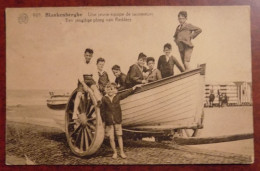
x=85 y=134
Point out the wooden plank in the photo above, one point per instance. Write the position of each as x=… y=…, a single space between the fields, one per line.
x=168 y=80
x=157 y=90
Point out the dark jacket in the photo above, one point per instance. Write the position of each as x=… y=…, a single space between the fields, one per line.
x=166 y=67
x=154 y=75
x=102 y=81
x=121 y=81
x=111 y=111
x=134 y=76
x=186 y=33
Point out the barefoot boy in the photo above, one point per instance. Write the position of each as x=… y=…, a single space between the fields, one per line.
x=86 y=77
x=112 y=114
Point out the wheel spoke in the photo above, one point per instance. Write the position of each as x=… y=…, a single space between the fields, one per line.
x=86 y=139
x=91 y=126
x=78 y=135
x=76 y=130
x=92 y=109
x=82 y=140
x=89 y=134
x=72 y=123
x=91 y=119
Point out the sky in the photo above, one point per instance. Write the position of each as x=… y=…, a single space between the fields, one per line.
x=44 y=52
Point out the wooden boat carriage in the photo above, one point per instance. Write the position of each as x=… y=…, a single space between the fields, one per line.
x=164 y=107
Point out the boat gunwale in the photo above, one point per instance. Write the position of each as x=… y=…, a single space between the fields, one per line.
x=166 y=80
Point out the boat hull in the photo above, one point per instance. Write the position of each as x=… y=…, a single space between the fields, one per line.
x=57 y=106
x=171 y=103
x=57 y=102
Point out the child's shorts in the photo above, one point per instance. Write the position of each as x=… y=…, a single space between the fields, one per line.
x=110 y=129
x=89 y=82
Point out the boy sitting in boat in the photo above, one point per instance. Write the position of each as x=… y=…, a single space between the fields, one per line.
x=103 y=76
x=86 y=77
x=154 y=73
x=166 y=62
x=120 y=77
x=112 y=115
x=135 y=74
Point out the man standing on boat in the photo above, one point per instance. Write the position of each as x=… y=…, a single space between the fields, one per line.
x=182 y=37
x=86 y=77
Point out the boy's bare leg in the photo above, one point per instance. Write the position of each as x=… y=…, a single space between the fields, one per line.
x=121 y=146
x=113 y=146
x=76 y=105
x=187 y=56
x=187 y=66
x=97 y=93
x=182 y=56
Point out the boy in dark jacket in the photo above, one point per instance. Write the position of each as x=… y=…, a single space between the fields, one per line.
x=102 y=75
x=135 y=74
x=112 y=115
x=120 y=77
x=167 y=62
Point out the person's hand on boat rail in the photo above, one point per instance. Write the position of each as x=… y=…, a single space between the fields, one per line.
x=138 y=85
x=144 y=81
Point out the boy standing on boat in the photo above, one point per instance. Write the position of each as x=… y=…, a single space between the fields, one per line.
x=154 y=73
x=86 y=77
x=182 y=37
x=135 y=74
x=120 y=77
x=103 y=76
x=166 y=62
x=112 y=115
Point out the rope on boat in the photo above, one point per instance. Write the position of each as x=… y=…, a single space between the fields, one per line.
x=210 y=140
x=137 y=131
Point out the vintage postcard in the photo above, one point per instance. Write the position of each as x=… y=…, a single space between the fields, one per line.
x=129 y=85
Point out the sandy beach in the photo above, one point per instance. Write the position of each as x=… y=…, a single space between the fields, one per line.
x=228 y=121
x=46 y=122
x=48 y=146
